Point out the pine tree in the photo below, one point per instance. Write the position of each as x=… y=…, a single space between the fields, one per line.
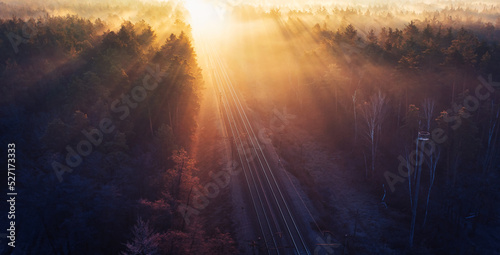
x=145 y=241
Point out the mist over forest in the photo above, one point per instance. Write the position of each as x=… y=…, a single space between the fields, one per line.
x=250 y=127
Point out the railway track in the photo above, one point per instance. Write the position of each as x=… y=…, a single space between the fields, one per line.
x=279 y=231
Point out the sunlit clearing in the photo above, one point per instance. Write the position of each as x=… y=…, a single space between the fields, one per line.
x=205 y=18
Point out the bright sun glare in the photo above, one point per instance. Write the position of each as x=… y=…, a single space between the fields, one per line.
x=204 y=16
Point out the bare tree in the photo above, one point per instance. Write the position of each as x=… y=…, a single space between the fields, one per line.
x=429 y=106
x=492 y=137
x=431 y=161
x=374 y=113
x=414 y=195
x=354 y=98
x=410 y=171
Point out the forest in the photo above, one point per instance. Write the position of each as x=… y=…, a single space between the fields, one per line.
x=61 y=77
x=122 y=111
x=365 y=84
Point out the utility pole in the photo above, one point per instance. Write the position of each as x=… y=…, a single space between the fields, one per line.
x=422 y=137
